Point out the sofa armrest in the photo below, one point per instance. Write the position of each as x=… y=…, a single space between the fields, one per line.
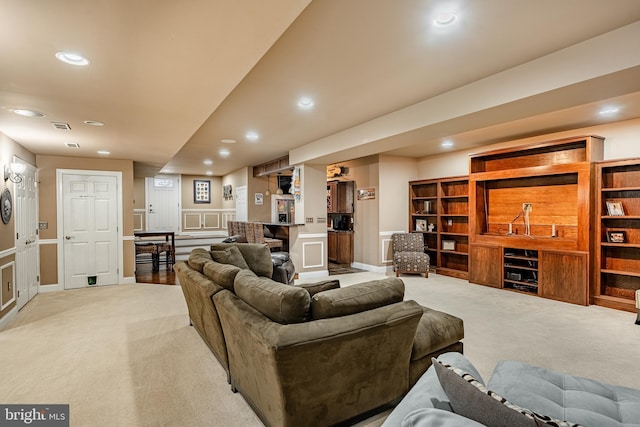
x=319 y=372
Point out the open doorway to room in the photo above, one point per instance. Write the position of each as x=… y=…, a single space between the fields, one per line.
x=340 y=226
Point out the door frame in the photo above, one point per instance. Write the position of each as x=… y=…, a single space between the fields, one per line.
x=60 y=222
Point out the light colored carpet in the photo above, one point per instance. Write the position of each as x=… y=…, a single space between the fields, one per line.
x=125 y=355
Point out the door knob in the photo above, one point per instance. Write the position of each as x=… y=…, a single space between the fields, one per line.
x=68 y=237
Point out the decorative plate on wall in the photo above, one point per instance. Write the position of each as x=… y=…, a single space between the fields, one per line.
x=6 y=206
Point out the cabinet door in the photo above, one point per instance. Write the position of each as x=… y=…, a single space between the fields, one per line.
x=345 y=248
x=345 y=197
x=485 y=265
x=564 y=276
x=332 y=242
x=332 y=196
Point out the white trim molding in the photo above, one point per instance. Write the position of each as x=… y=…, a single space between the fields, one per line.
x=7 y=252
x=304 y=255
x=312 y=236
x=12 y=265
x=48 y=241
x=4 y=320
x=312 y=275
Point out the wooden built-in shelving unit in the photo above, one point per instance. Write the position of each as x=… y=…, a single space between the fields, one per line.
x=439 y=209
x=618 y=262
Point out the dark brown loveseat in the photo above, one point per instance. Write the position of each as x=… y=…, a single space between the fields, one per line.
x=303 y=357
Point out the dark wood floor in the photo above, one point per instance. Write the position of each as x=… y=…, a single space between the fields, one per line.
x=144 y=274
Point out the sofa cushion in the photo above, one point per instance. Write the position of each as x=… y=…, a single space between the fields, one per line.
x=436 y=331
x=229 y=255
x=324 y=285
x=357 y=298
x=222 y=274
x=431 y=417
x=198 y=258
x=470 y=398
x=256 y=255
x=564 y=396
x=281 y=303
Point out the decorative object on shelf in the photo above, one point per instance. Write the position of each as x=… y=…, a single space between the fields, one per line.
x=431 y=227
x=427 y=207
x=201 y=191
x=421 y=225
x=6 y=205
x=614 y=208
x=617 y=236
x=448 y=245
x=227 y=192
x=366 y=193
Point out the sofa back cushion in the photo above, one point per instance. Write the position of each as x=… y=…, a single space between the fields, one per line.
x=357 y=298
x=257 y=256
x=281 y=303
x=222 y=274
x=198 y=258
x=229 y=255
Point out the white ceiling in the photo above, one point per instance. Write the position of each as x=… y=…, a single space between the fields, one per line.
x=171 y=79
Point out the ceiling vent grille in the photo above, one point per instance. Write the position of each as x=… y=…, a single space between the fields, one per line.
x=61 y=126
x=72 y=144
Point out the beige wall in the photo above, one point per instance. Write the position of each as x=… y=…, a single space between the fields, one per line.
x=47 y=167
x=260 y=184
x=621 y=141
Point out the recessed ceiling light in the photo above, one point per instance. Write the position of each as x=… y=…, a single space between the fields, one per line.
x=103 y=152
x=208 y=162
x=209 y=173
x=224 y=152
x=93 y=123
x=446 y=144
x=72 y=145
x=305 y=103
x=27 y=113
x=228 y=141
x=608 y=111
x=252 y=136
x=445 y=18
x=72 y=58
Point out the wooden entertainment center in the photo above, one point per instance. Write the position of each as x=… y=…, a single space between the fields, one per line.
x=551 y=219
x=531 y=210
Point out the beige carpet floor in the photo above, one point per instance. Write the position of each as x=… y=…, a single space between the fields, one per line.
x=125 y=356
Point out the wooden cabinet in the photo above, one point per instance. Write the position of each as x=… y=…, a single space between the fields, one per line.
x=439 y=209
x=617 y=250
x=537 y=199
x=480 y=256
x=340 y=246
x=340 y=196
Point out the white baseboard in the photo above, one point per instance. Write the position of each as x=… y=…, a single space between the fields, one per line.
x=372 y=268
x=128 y=280
x=50 y=288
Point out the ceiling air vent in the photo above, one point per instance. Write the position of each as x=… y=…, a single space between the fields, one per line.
x=72 y=144
x=61 y=126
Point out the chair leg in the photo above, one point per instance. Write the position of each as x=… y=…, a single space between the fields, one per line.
x=155 y=262
x=397 y=273
x=426 y=274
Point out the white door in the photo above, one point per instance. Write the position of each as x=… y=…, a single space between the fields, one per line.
x=242 y=209
x=163 y=203
x=26 y=239
x=90 y=229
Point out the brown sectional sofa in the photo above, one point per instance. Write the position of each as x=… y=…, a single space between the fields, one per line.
x=312 y=355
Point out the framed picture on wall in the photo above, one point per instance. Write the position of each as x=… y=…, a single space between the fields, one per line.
x=201 y=191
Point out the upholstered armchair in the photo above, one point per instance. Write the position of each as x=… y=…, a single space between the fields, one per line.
x=408 y=254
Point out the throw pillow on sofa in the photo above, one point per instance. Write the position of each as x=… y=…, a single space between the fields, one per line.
x=230 y=255
x=198 y=258
x=357 y=298
x=471 y=399
x=222 y=274
x=281 y=303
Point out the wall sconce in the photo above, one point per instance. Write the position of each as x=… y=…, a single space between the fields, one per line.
x=14 y=172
